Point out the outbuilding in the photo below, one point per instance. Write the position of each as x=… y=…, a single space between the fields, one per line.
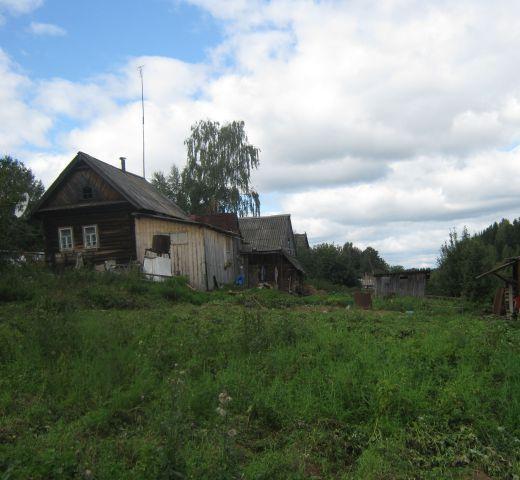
x=411 y=283
x=269 y=250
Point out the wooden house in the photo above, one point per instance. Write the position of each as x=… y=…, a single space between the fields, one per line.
x=270 y=252
x=410 y=283
x=103 y=213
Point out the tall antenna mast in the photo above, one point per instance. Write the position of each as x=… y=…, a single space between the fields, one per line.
x=140 y=68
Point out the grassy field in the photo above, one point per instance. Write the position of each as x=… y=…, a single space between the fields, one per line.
x=107 y=377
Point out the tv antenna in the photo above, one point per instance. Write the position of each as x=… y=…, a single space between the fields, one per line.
x=22 y=205
x=140 y=68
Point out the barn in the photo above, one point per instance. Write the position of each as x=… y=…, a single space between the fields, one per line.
x=269 y=250
x=102 y=214
x=410 y=283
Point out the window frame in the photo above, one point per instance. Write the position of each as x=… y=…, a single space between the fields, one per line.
x=63 y=249
x=91 y=194
x=92 y=247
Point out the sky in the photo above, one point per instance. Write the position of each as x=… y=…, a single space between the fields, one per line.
x=380 y=122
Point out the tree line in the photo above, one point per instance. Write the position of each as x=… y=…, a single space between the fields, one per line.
x=342 y=265
x=463 y=256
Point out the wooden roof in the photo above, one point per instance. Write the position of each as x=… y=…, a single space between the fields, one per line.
x=223 y=221
x=507 y=263
x=135 y=189
x=411 y=271
x=301 y=241
x=268 y=233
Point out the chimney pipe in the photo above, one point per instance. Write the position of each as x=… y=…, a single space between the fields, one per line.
x=123 y=166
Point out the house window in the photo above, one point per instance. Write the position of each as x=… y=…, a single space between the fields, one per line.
x=90 y=236
x=87 y=193
x=66 y=238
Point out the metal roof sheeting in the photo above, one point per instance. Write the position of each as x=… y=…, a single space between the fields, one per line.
x=271 y=234
x=135 y=189
x=268 y=233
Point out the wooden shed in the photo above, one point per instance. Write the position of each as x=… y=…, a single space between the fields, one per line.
x=103 y=213
x=270 y=252
x=411 y=283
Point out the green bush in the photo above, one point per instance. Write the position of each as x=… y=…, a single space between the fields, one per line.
x=13 y=288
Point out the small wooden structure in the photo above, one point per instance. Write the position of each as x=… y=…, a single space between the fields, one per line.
x=100 y=213
x=507 y=298
x=302 y=242
x=269 y=250
x=367 y=281
x=411 y=283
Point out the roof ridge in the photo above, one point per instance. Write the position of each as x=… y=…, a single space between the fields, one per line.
x=266 y=216
x=113 y=166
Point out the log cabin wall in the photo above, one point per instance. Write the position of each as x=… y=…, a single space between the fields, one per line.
x=115 y=226
x=289 y=278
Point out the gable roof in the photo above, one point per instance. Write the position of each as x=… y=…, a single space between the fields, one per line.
x=268 y=233
x=301 y=241
x=136 y=190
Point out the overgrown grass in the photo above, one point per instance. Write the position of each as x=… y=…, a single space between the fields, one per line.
x=90 y=388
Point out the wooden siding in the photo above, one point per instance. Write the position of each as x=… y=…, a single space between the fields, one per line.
x=405 y=284
x=115 y=233
x=222 y=257
x=70 y=193
x=289 y=278
x=203 y=256
x=187 y=259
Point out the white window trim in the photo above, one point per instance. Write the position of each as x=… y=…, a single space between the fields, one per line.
x=60 y=229
x=85 y=238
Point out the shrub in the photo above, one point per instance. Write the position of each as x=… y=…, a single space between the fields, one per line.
x=14 y=287
x=176 y=289
x=100 y=296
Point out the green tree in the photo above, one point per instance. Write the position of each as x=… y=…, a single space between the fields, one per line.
x=371 y=261
x=461 y=259
x=171 y=186
x=16 y=180
x=217 y=175
x=341 y=265
x=216 y=178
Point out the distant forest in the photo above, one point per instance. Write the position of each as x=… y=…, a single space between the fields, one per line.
x=342 y=265
x=464 y=256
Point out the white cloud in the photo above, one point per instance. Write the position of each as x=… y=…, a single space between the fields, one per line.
x=21 y=124
x=19 y=6
x=38 y=28
x=381 y=122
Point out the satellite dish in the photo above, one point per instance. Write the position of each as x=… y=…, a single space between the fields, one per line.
x=22 y=205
